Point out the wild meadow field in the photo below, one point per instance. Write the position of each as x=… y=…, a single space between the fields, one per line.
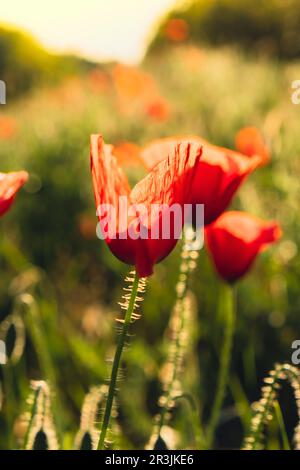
x=60 y=285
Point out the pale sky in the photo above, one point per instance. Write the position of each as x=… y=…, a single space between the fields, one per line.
x=98 y=29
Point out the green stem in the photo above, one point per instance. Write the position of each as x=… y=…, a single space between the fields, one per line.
x=9 y=401
x=168 y=395
x=227 y=305
x=281 y=424
x=177 y=348
x=116 y=362
x=32 y=416
x=265 y=407
x=178 y=319
x=39 y=339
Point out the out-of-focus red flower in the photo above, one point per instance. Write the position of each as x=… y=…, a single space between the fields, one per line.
x=168 y=183
x=10 y=183
x=158 y=109
x=235 y=239
x=128 y=154
x=98 y=81
x=137 y=92
x=250 y=142
x=132 y=83
x=8 y=127
x=177 y=30
x=219 y=175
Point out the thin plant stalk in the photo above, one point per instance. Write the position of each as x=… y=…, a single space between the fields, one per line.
x=168 y=398
x=227 y=306
x=9 y=399
x=38 y=336
x=116 y=361
x=10 y=369
x=177 y=347
x=281 y=424
x=32 y=416
x=40 y=419
x=263 y=410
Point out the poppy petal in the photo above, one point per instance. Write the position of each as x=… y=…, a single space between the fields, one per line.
x=250 y=142
x=220 y=173
x=235 y=239
x=166 y=185
x=10 y=183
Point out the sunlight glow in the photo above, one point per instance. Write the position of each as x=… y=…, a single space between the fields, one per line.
x=98 y=29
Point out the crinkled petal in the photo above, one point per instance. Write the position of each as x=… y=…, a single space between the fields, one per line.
x=220 y=173
x=149 y=203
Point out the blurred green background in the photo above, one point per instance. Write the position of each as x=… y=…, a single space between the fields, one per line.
x=207 y=75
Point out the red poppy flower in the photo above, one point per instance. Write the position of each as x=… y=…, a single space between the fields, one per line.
x=10 y=183
x=98 y=81
x=177 y=30
x=235 y=239
x=167 y=184
x=220 y=172
x=158 y=109
x=8 y=127
x=250 y=142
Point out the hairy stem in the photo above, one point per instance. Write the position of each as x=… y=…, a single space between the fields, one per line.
x=32 y=416
x=264 y=408
x=40 y=419
x=116 y=362
x=227 y=305
x=177 y=347
x=38 y=336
